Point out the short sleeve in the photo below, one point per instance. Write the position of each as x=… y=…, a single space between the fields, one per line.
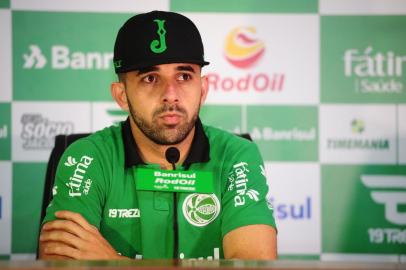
x=244 y=200
x=79 y=183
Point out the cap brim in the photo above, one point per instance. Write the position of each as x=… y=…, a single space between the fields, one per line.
x=151 y=63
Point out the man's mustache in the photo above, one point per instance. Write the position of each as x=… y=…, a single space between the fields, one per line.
x=169 y=108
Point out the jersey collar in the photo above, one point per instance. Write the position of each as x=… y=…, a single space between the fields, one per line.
x=199 y=151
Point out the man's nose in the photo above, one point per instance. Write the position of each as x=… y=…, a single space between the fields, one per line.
x=170 y=92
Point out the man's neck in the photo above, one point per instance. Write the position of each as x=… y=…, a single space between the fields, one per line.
x=154 y=153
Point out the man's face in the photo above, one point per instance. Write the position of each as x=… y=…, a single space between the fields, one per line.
x=164 y=100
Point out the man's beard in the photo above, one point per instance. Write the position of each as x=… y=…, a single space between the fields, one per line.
x=158 y=133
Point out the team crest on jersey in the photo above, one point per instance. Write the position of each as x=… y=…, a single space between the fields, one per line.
x=201 y=209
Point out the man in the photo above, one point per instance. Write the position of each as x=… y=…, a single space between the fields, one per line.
x=102 y=209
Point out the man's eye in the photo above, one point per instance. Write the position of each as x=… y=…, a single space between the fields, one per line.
x=184 y=77
x=149 y=79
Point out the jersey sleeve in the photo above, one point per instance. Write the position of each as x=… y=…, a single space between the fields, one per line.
x=79 y=183
x=244 y=201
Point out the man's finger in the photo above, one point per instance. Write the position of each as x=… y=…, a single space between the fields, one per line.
x=75 y=217
x=63 y=237
x=60 y=249
x=65 y=225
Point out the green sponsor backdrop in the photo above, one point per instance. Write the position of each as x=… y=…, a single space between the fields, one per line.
x=28 y=185
x=4 y=3
x=214 y=115
x=348 y=210
x=5 y=131
x=361 y=55
x=357 y=53
x=84 y=73
x=285 y=133
x=247 y=6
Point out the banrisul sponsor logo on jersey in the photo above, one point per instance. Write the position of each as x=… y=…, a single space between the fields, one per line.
x=36 y=124
x=61 y=59
x=358 y=134
x=78 y=182
x=369 y=211
x=295 y=196
x=201 y=209
x=286 y=133
x=250 y=66
x=5 y=138
x=363 y=63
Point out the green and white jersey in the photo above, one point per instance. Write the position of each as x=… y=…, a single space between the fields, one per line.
x=96 y=178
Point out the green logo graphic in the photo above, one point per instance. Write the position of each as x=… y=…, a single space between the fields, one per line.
x=5 y=130
x=117 y=64
x=286 y=133
x=368 y=215
x=361 y=61
x=35 y=59
x=159 y=46
x=201 y=209
x=357 y=126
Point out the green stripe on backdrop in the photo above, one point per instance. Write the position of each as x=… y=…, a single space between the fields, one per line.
x=28 y=184
x=4 y=3
x=5 y=131
x=4 y=257
x=248 y=6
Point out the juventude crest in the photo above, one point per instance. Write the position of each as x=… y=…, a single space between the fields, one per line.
x=201 y=209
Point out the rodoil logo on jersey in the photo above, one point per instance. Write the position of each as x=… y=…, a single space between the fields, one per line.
x=243 y=50
x=201 y=209
x=39 y=133
x=390 y=191
x=61 y=58
x=78 y=183
x=374 y=71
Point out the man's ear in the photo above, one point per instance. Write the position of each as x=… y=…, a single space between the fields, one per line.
x=205 y=89
x=117 y=90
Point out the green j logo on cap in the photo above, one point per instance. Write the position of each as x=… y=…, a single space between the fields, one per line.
x=159 y=46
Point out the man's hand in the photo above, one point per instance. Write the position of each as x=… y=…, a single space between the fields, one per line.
x=72 y=237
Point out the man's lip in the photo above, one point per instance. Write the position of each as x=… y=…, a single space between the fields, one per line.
x=170 y=118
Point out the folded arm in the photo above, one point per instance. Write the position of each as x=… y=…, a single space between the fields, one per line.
x=72 y=237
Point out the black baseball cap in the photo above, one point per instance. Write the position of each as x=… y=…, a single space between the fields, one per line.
x=157 y=37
